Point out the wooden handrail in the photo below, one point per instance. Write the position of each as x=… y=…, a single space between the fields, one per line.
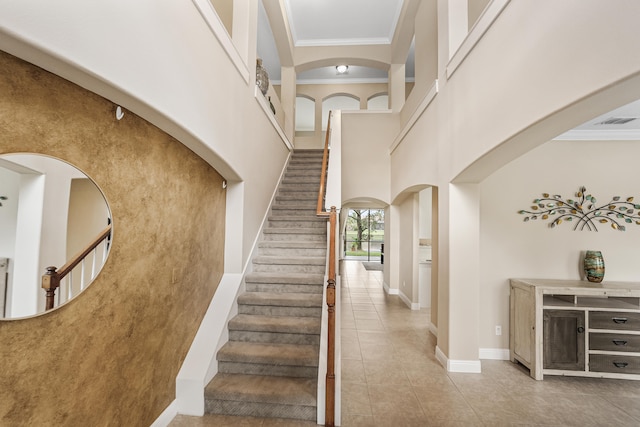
x=52 y=278
x=323 y=177
x=330 y=380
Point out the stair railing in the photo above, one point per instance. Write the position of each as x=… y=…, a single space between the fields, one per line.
x=330 y=394
x=53 y=277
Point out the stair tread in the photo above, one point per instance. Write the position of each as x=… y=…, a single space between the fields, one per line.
x=269 y=353
x=280 y=278
x=281 y=299
x=263 y=389
x=293 y=244
x=295 y=230
x=297 y=218
x=289 y=260
x=288 y=324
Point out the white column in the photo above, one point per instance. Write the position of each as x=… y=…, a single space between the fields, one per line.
x=464 y=270
x=396 y=89
x=288 y=100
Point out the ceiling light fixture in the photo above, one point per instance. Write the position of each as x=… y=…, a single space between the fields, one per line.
x=342 y=69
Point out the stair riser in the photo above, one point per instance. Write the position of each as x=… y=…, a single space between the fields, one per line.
x=270 y=310
x=282 y=268
x=295 y=237
x=262 y=410
x=291 y=223
x=274 y=337
x=285 y=202
x=285 y=288
x=293 y=252
x=267 y=369
x=292 y=211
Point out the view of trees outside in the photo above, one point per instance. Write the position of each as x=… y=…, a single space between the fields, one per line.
x=364 y=234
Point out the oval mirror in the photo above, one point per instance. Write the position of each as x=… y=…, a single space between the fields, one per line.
x=50 y=213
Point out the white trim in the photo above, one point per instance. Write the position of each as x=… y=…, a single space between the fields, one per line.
x=342 y=42
x=200 y=365
x=219 y=31
x=389 y=290
x=407 y=301
x=441 y=357
x=494 y=354
x=262 y=101
x=484 y=22
x=167 y=415
x=433 y=329
x=465 y=366
x=343 y=80
x=600 y=135
x=428 y=98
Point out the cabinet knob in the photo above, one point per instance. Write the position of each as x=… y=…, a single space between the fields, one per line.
x=580 y=329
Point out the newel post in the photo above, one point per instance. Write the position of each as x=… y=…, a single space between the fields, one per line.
x=50 y=282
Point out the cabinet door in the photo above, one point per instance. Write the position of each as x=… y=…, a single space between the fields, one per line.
x=564 y=340
x=522 y=325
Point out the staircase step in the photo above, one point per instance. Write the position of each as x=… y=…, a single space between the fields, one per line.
x=290 y=264
x=307 y=209
x=293 y=248
x=310 y=234
x=297 y=221
x=299 y=195
x=277 y=282
x=281 y=360
x=277 y=324
x=275 y=329
x=280 y=304
x=262 y=396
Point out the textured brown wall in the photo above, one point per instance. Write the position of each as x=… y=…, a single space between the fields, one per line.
x=110 y=356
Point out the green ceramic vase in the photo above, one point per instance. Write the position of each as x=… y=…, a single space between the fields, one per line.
x=594 y=266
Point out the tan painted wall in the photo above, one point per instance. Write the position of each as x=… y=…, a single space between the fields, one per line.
x=95 y=360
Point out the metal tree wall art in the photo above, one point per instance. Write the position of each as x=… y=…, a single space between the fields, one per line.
x=584 y=211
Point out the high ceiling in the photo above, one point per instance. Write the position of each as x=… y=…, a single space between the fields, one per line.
x=342 y=22
x=321 y=23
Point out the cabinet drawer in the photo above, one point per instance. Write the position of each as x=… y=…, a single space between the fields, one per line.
x=614 y=342
x=614 y=320
x=614 y=363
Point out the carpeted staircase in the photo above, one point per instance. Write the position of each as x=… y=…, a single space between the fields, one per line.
x=269 y=367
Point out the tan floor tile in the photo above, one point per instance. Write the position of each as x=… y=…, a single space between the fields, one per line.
x=355 y=399
x=353 y=371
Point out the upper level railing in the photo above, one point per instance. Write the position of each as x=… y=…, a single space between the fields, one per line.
x=330 y=395
x=54 y=277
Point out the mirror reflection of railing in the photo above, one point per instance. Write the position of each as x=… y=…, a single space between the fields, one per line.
x=53 y=211
x=53 y=278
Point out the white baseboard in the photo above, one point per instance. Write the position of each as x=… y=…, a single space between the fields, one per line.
x=167 y=415
x=433 y=329
x=441 y=357
x=390 y=291
x=495 y=354
x=464 y=366
x=407 y=301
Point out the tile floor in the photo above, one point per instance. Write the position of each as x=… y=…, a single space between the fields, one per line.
x=390 y=377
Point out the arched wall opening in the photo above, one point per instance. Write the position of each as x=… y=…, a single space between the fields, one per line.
x=509 y=178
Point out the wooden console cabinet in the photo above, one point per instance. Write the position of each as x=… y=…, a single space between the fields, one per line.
x=573 y=327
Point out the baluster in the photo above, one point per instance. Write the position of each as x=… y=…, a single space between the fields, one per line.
x=50 y=282
x=82 y=273
x=93 y=262
x=70 y=285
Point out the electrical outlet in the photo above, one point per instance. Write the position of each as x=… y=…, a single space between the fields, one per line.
x=498 y=330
